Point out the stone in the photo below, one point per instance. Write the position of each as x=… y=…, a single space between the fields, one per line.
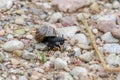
x=118 y=18
x=64 y=76
x=19 y=31
x=14 y=61
x=79 y=73
x=2 y=56
x=108 y=38
x=68 y=21
x=107 y=23
x=118 y=77
x=77 y=51
x=65 y=5
x=19 y=20
x=81 y=38
x=87 y=56
x=10 y=36
x=95 y=31
x=60 y=63
x=29 y=36
x=55 y=17
x=43 y=15
x=95 y=7
x=113 y=59
x=67 y=31
x=29 y=56
x=40 y=46
x=20 y=11
x=2 y=33
x=111 y=48
x=84 y=46
x=108 y=5
x=46 y=5
x=17 y=52
x=116 y=4
x=5 y=4
x=13 y=45
x=81 y=16
x=22 y=78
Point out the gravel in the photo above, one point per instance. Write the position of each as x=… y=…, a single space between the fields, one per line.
x=76 y=58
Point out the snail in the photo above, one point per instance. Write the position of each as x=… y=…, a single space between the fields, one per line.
x=47 y=34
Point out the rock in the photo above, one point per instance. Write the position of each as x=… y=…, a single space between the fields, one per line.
x=46 y=5
x=27 y=55
x=103 y=74
x=5 y=4
x=17 y=52
x=29 y=36
x=77 y=51
x=118 y=77
x=79 y=73
x=118 y=18
x=23 y=78
x=2 y=33
x=67 y=31
x=81 y=38
x=111 y=48
x=60 y=64
x=116 y=4
x=113 y=59
x=64 y=76
x=107 y=23
x=14 y=61
x=67 y=47
x=96 y=67
x=10 y=36
x=81 y=16
x=55 y=17
x=88 y=56
x=95 y=7
x=65 y=5
x=43 y=15
x=19 y=20
x=20 y=11
x=36 y=75
x=40 y=46
x=68 y=21
x=103 y=21
x=95 y=31
x=107 y=37
x=19 y=31
x=2 y=56
x=84 y=46
x=13 y=45
x=108 y=5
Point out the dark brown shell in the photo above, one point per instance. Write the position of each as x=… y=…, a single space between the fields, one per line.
x=44 y=31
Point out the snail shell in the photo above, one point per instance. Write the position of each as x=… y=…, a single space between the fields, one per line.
x=44 y=31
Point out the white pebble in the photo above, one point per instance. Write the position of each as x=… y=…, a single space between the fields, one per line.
x=29 y=36
x=13 y=45
x=60 y=63
x=116 y=4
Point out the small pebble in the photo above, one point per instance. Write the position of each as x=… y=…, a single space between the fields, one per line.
x=116 y=4
x=60 y=64
x=27 y=55
x=13 y=45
